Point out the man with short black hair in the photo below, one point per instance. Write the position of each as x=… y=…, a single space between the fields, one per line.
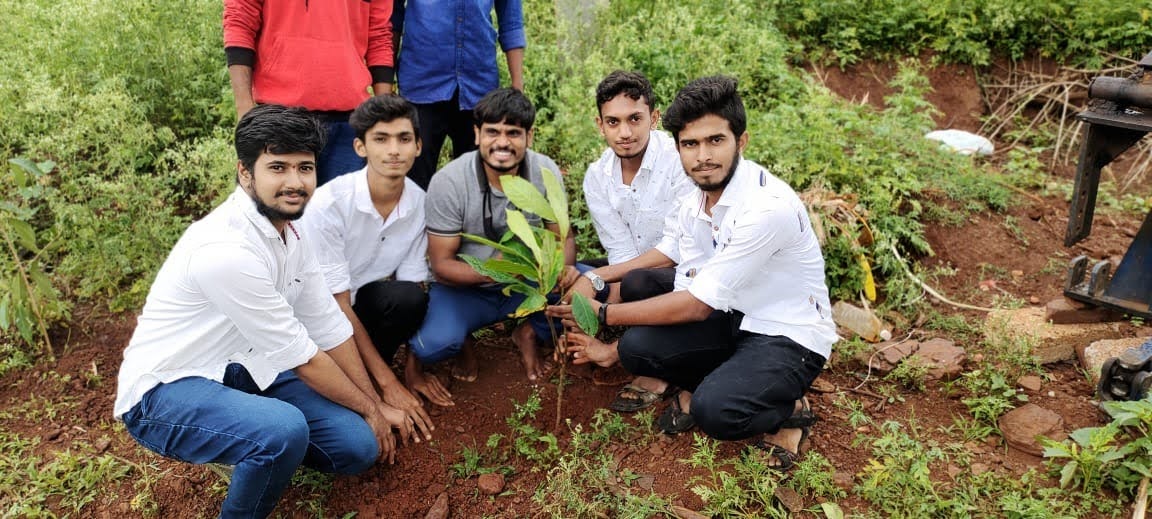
x=749 y=326
x=241 y=355
x=368 y=228
x=465 y=197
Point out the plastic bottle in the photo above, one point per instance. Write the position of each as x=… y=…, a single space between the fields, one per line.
x=861 y=321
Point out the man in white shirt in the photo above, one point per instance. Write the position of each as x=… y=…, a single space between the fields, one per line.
x=749 y=326
x=632 y=192
x=367 y=228
x=241 y=355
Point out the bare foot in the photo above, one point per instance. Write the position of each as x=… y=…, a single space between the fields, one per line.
x=535 y=366
x=465 y=368
x=584 y=349
x=425 y=384
x=653 y=385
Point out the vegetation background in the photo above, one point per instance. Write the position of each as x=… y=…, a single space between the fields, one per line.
x=117 y=120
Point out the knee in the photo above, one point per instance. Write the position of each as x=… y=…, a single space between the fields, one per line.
x=634 y=349
x=716 y=417
x=287 y=440
x=634 y=286
x=411 y=300
x=434 y=344
x=357 y=450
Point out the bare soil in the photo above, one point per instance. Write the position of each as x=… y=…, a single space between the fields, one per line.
x=1024 y=260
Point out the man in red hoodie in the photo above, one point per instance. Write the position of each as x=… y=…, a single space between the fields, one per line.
x=318 y=55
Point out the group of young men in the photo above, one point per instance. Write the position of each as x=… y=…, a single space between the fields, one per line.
x=267 y=337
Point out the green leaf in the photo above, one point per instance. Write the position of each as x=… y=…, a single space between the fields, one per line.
x=4 y=322
x=525 y=196
x=514 y=266
x=519 y=226
x=1067 y=473
x=557 y=201
x=24 y=233
x=24 y=171
x=586 y=317
x=483 y=270
x=532 y=304
x=832 y=510
x=502 y=247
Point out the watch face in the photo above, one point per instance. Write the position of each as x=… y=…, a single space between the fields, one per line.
x=598 y=284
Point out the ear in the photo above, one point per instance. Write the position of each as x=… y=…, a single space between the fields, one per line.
x=655 y=118
x=243 y=176
x=477 y=130
x=360 y=148
x=419 y=146
x=742 y=142
x=600 y=125
x=530 y=134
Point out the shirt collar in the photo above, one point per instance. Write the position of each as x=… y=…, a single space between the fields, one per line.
x=734 y=192
x=243 y=201
x=648 y=163
x=362 y=197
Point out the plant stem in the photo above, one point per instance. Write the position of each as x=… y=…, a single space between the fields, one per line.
x=560 y=379
x=33 y=300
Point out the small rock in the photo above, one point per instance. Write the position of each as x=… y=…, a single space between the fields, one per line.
x=1030 y=383
x=823 y=386
x=978 y=468
x=459 y=429
x=844 y=479
x=944 y=359
x=977 y=357
x=1017 y=273
x=1052 y=394
x=646 y=482
x=439 y=508
x=1034 y=300
x=102 y=444
x=975 y=448
x=1021 y=427
x=1067 y=311
x=954 y=471
x=656 y=449
x=53 y=434
x=490 y=484
x=684 y=513
x=791 y=500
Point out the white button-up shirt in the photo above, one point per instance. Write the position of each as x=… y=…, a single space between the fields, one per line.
x=230 y=291
x=630 y=219
x=757 y=253
x=355 y=245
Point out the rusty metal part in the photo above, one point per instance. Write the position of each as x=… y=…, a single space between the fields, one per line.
x=1122 y=91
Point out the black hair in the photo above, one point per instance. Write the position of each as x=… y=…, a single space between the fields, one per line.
x=277 y=129
x=505 y=105
x=712 y=95
x=382 y=109
x=632 y=84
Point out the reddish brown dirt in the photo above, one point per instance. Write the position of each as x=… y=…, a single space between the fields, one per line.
x=1020 y=250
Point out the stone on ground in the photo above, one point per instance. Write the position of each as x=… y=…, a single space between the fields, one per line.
x=1050 y=342
x=1030 y=383
x=944 y=359
x=490 y=484
x=439 y=509
x=1022 y=426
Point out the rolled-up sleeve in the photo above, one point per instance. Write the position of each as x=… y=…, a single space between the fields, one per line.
x=510 y=19
x=238 y=282
x=756 y=236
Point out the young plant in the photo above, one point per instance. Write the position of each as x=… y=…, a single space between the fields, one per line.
x=532 y=258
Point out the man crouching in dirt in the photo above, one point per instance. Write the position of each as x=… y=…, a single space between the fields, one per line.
x=241 y=355
x=748 y=327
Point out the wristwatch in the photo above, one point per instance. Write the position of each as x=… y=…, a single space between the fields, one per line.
x=597 y=281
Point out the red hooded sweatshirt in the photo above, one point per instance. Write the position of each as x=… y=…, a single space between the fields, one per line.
x=318 y=54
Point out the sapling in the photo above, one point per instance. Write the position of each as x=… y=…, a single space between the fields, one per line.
x=531 y=258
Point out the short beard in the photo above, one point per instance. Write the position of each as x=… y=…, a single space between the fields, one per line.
x=723 y=183
x=274 y=214
x=632 y=156
x=501 y=169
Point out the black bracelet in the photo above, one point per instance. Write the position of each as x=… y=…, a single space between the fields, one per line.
x=603 y=314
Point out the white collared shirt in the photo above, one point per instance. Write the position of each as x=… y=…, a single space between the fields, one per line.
x=757 y=253
x=231 y=291
x=355 y=245
x=630 y=219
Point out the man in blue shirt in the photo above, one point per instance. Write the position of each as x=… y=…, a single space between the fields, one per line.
x=446 y=64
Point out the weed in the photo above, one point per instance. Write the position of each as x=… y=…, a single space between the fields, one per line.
x=812 y=476
x=747 y=490
x=967 y=429
x=992 y=396
x=31 y=485
x=910 y=373
x=956 y=326
x=528 y=442
x=315 y=486
x=856 y=415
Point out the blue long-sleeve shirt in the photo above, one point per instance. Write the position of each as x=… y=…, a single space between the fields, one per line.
x=450 y=44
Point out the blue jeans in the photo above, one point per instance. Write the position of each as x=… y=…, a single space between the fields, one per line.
x=338 y=156
x=742 y=383
x=455 y=312
x=264 y=434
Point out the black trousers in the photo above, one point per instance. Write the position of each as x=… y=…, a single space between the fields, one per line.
x=440 y=121
x=742 y=383
x=645 y=283
x=391 y=311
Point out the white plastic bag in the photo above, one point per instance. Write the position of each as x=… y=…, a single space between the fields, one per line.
x=962 y=142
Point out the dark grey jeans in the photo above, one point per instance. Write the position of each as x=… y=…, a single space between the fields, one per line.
x=743 y=384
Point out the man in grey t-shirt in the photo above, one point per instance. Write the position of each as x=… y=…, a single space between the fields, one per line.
x=465 y=197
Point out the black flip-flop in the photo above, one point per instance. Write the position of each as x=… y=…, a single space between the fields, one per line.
x=674 y=420
x=786 y=458
x=802 y=418
x=639 y=398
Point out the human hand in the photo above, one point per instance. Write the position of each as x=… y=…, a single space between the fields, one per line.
x=384 y=438
x=584 y=349
x=397 y=396
x=399 y=420
x=569 y=277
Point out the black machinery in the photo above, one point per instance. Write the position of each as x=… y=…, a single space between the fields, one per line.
x=1119 y=114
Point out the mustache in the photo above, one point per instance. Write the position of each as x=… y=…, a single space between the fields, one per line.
x=290 y=192
x=706 y=166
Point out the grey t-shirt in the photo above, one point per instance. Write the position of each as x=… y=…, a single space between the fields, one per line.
x=455 y=202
